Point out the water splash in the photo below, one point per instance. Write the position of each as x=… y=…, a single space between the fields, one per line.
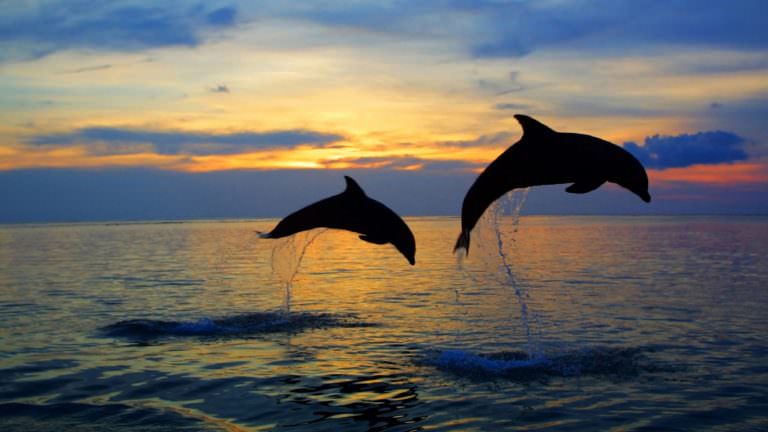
x=613 y=362
x=255 y=323
x=489 y=238
x=469 y=364
x=287 y=255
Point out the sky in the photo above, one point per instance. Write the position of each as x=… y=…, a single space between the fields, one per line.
x=132 y=110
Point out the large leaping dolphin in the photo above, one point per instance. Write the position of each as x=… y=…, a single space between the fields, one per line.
x=351 y=210
x=544 y=157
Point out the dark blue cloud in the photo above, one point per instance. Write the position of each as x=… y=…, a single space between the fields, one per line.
x=684 y=150
x=744 y=115
x=515 y=30
x=66 y=195
x=35 y=32
x=520 y=28
x=222 y=17
x=120 y=140
x=499 y=28
x=394 y=17
x=53 y=195
x=487 y=28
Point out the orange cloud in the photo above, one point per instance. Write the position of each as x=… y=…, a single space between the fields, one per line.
x=78 y=157
x=356 y=152
x=722 y=174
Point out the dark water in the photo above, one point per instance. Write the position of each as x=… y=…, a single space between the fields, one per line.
x=640 y=323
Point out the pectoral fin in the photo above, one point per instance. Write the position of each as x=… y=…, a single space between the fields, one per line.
x=584 y=186
x=370 y=239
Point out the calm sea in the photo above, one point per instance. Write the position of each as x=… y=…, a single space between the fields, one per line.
x=585 y=323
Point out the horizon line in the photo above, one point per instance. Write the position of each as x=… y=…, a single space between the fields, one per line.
x=162 y=221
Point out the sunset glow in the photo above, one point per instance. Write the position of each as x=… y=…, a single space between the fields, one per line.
x=237 y=87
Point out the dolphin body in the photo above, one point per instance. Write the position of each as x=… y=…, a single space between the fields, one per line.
x=544 y=157
x=351 y=210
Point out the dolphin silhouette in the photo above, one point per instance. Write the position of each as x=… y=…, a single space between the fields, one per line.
x=351 y=210
x=544 y=157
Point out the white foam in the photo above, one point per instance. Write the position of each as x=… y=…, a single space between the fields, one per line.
x=465 y=362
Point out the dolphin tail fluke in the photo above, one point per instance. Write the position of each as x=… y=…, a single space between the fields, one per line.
x=462 y=242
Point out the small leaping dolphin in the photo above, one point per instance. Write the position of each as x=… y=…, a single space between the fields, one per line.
x=351 y=210
x=545 y=157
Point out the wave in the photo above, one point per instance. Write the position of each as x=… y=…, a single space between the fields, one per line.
x=87 y=417
x=238 y=325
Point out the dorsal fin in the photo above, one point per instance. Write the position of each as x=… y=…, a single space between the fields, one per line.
x=533 y=127
x=352 y=187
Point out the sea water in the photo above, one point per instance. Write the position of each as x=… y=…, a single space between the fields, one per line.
x=642 y=323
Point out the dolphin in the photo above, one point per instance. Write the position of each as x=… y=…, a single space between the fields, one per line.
x=351 y=210
x=545 y=157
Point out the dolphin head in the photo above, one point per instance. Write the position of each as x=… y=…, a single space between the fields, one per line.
x=634 y=178
x=405 y=243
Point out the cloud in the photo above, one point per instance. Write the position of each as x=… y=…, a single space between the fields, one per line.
x=500 y=88
x=33 y=32
x=511 y=106
x=713 y=147
x=485 y=29
x=147 y=194
x=111 y=140
x=401 y=163
x=735 y=64
x=393 y=17
x=488 y=140
x=498 y=28
x=745 y=173
x=62 y=195
x=744 y=115
x=517 y=29
x=609 y=107
x=221 y=88
x=222 y=17
x=90 y=68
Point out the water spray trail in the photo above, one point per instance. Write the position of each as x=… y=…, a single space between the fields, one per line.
x=517 y=200
x=491 y=254
x=286 y=260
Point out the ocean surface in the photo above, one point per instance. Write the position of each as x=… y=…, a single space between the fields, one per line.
x=557 y=323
